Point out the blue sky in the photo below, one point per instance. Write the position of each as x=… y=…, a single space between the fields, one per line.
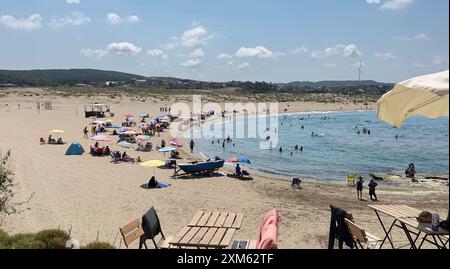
x=277 y=41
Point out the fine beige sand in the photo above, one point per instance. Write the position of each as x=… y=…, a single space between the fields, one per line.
x=94 y=196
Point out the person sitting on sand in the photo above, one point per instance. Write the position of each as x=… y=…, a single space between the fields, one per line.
x=175 y=154
x=60 y=141
x=238 y=171
x=42 y=141
x=124 y=155
x=139 y=159
x=359 y=187
x=152 y=183
x=115 y=132
x=50 y=139
x=107 y=151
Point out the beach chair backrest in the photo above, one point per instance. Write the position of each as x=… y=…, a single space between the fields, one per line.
x=357 y=232
x=131 y=232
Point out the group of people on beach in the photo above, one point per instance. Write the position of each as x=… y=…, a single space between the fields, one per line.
x=372 y=188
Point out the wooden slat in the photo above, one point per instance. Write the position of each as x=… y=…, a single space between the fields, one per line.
x=204 y=219
x=252 y=244
x=130 y=227
x=207 y=237
x=238 y=221
x=188 y=237
x=357 y=232
x=228 y=237
x=373 y=237
x=221 y=219
x=215 y=242
x=401 y=211
x=385 y=210
x=166 y=243
x=199 y=236
x=413 y=211
x=196 y=218
x=180 y=235
x=129 y=238
x=212 y=219
x=229 y=221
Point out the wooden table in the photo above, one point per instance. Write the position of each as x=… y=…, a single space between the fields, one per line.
x=405 y=219
x=208 y=230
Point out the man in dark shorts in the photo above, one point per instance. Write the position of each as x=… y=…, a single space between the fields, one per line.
x=372 y=186
x=359 y=187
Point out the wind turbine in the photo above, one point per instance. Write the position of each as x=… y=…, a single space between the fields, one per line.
x=360 y=70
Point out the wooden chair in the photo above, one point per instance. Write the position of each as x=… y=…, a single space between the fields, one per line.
x=360 y=236
x=131 y=232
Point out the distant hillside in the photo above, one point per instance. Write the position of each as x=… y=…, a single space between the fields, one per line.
x=56 y=77
x=332 y=84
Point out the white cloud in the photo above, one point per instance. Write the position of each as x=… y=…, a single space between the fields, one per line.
x=157 y=53
x=76 y=19
x=225 y=56
x=195 y=37
x=70 y=2
x=421 y=37
x=299 y=50
x=124 y=48
x=242 y=66
x=198 y=53
x=330 y=65
x=349 y=50
x=34 y=22
x=94 y=53
x=259 y=52
x=373 y=1
x=395 y=4
x=114 y=18
x=439 y=60
x=192 y=63
x=384 y=56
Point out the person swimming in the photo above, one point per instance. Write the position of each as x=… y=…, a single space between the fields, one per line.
x=281 y=149
x=296 y=147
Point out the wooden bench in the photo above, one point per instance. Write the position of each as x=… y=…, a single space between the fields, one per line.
x=131 y=232
x=361 y=236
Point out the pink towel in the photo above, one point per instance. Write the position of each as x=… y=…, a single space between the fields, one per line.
x=268 y=231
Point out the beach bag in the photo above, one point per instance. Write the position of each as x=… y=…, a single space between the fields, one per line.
x=425 y=217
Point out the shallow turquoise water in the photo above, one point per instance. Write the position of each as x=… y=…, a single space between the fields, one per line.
x=341 y=150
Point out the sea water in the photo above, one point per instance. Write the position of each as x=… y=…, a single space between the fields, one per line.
x=339 y=150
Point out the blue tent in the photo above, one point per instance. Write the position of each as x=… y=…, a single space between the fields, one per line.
x=75 y=149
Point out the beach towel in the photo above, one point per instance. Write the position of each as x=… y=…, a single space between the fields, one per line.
x=268 y=231
x=162 y=185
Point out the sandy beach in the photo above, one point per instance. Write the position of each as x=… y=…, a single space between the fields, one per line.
x=94 y=196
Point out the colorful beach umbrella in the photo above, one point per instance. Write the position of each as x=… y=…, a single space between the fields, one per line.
x=143 y=137
x=425 y=96
x=56 y=131
x=154 y=164
x=176 y=143
x=132 y=132
x=123 y=130
x=101 y=138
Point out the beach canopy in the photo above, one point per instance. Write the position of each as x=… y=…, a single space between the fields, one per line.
x=75 y=149
x=425 y=96
x=56 y=131
x=101 y=138
x=167 y=149
x=241 y=159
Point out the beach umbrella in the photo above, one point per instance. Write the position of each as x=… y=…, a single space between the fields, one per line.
x=123 y=130
x=176 y=143
x=125 y=144
x=56 y=131
x=167 y=149
x=131 y=132
x=101 y=138
x=109 y=120
x=115 y=126
x=98 y=122
x=143 y=114
x=425 y=96
x=143 y=137
x=154 y=164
